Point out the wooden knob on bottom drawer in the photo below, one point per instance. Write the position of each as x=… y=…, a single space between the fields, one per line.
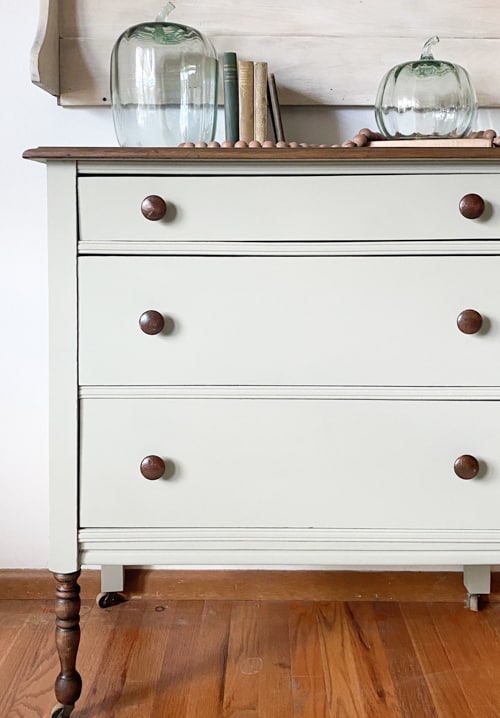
x=469 y=321
x=152 y=467
x=466 y=467
x=152 y=322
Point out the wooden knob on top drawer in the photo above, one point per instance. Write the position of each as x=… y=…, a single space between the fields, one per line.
x=151 y=322
x=154 y=207
x=152 y=467
x=469 y=321
x=471 y=206
x=466 y=466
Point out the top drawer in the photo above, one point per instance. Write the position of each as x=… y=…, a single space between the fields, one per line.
x=362 y=207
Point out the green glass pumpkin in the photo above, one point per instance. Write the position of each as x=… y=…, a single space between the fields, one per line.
x=164 y=79
x=426 y=98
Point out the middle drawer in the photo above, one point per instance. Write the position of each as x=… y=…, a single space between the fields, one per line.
x=288 y=320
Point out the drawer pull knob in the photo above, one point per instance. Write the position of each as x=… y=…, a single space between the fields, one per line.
x=153 y=207
x=471 y=206
x=152 y=467
x=466 y=466
x=152 y=322
x=469 y=321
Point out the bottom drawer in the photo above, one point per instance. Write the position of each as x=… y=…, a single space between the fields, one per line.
x=288 y=463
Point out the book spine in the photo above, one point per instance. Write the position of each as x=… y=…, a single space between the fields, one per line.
x=275 y=109
x=260 y=101
x=231 y=104
x=246 y=100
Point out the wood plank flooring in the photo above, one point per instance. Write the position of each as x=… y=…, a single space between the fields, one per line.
x=258 y=659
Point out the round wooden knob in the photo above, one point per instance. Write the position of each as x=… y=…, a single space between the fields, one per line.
x=471 y=206
x=154 y=207
x=469 y=321
x=466 y=466
x=152 y=322
x=152 y=467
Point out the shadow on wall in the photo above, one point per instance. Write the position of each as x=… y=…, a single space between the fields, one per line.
x=325 y=125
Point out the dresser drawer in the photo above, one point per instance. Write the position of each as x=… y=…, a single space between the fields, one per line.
x=370 y=207
x=273 y=462
x=289 y=320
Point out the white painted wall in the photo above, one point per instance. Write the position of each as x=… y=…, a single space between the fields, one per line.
x=30 y=117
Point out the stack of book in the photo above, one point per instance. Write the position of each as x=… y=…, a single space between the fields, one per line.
x=250 y=97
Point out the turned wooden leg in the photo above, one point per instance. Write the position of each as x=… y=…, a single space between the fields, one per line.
x=68 y=684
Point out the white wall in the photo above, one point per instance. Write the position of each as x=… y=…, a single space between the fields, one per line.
x=30 y=117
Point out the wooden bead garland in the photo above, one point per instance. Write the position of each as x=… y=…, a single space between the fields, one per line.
x=253 y=144
x=362 y=139
x=365 y=136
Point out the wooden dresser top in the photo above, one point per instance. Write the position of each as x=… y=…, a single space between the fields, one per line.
x=307 y=154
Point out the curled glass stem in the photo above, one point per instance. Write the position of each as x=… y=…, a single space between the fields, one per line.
x=165 y=12
x=427 y=48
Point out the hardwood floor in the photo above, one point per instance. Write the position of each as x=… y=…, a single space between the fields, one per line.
x=258 y=659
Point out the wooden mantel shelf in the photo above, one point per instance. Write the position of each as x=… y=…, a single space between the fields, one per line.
x=327 y=154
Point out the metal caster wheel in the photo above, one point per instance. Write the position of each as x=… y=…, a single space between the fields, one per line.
x=472 y=602
x=111 y=598
x=58 y=711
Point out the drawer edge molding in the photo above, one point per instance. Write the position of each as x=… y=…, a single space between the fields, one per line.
x=286 y=535
x=90 y=164
x=268 y=247
x=391 y=393
x=289 y=547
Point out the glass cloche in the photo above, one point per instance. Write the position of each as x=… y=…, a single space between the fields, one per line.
x=426 y=98
x=164 y=79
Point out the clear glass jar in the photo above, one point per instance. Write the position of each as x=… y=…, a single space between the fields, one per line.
x=426 y=98
x=164 y=80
